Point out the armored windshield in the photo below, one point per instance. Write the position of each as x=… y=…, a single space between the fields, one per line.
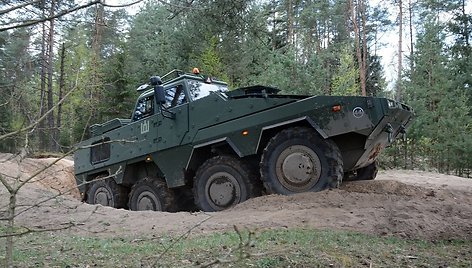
x=144 y=108
x=199 y=89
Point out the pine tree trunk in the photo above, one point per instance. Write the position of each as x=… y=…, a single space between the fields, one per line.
x=354 y=17
x=317 y=37
x=466 y=28
x=410 y=11
x=52 y=144
x=290 y=22
x=95 y=76
x=60 y=93
x=274 y=26
x=363 y=65
x=400 y=51
x=466 y=24
x=42 y=77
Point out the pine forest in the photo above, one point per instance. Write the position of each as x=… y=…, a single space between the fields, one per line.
x=66 y=65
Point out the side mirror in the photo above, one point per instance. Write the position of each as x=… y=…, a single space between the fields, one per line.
x=159 y=94
x=155 y=80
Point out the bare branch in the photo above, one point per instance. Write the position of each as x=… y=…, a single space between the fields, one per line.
x=60 y=14
x=34 y=124
x=124 y=5
x=18 y=7
x=6 y=184
x=28 y=230
x=188 y=5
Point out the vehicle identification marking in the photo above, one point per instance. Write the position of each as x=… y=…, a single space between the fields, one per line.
x=358 y=112
x=145 y=126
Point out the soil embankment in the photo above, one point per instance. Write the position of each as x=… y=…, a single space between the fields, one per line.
x=411 y=204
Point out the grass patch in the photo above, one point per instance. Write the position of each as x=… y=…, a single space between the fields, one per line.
x=269 y=248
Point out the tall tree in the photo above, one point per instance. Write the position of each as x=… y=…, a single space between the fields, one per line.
x=42 y=133
x=460 y=27
x=52 y=141
x=358 y=18
x=410 y=23
x=345 y=79
x=398 y=95
x=442 y=124
x=16 y=73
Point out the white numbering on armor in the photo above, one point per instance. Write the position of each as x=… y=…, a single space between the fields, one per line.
x=145 y=126
x=358 y=112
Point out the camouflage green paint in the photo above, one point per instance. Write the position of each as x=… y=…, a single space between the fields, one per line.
x=171 y=138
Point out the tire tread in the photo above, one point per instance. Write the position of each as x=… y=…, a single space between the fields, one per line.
x=119 y=192
x=332 y=153
x=165 y=195
x=251 y=179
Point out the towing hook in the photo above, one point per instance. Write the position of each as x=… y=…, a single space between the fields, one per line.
x=389 y=130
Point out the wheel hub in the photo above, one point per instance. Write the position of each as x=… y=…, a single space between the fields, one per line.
x=298 y=168
x=103 y=197
x=223 y=190
x=148 y=201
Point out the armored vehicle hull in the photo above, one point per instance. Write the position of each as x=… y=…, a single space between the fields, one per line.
x=190 y=141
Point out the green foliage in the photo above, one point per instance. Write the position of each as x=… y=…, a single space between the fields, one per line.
x=345 y=78
x=210 y=61
x=300 y=47
x=119 y=99
x=78 y=63
x=461 y=29
x=375 y=83
x=15 y=72
x=5 y=111
x=442 y=113
x=153 y=46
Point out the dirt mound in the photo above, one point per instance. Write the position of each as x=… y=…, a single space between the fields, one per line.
x=388 y=187
x=48 y=173
x=402 y=203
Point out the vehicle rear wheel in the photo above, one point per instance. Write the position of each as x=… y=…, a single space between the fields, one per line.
x=151 y=194
x=224 y=181
x=107 y=193
x=299 y=160
x=367 y=173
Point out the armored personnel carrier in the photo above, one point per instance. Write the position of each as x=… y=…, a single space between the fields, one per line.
x=191 y=141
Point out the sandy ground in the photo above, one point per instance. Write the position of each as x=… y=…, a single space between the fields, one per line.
x=410 y=204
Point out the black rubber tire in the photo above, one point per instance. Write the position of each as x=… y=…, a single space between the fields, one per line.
x=300 y=152
x=241 y=179
x=151 y=194
x=107 y=193
x=367 y=173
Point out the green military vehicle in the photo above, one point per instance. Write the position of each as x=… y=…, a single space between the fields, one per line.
x=191 y=141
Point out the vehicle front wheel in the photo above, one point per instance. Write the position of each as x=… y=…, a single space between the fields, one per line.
x=299 y=160
x=151 y=194
x=224 y=181
x=107 y=193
